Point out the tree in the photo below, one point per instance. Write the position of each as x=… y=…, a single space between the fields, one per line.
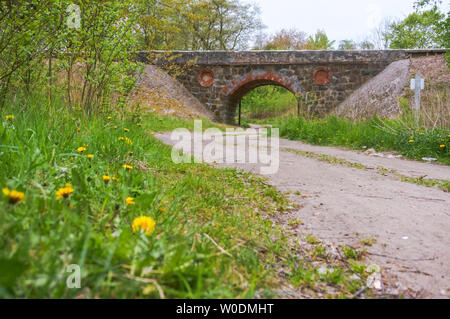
x=419 y=30
x=347 y=45
x=366 y=45
x=320 y=41
x=379 y=36
x=286 y=39
x=197 y=24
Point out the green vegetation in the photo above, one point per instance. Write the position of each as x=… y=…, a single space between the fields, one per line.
x=380 y=134
x=268 y=101
x=210 y=238
x=427 y=27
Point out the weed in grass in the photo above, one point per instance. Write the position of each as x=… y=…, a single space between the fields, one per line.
x=368 y=241
x=351 y=253
x=311 y=239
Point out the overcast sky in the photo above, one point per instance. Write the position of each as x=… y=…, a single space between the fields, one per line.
x=341 y=19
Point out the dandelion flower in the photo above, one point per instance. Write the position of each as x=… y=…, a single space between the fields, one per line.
x=106 y=178
x=115 y=126
x=126 y=139
x=109 y=117
x=81 y=149
x=126 y=130
x=422 y=133
x=139 y=124
x=128 y=167
x=130 y=201
x=10 y=117
x=442 y=146
x=153 y=133
x=14 y=196
x=115 y=179
x=411 y=141
x=90 y=156
x=145 y=224
x=64 y=192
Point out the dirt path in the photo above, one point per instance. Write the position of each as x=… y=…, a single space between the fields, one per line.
x=342 y=204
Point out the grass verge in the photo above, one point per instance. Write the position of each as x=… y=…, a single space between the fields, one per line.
x=380 y=134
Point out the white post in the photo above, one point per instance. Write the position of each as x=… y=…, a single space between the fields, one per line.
x=417 y=85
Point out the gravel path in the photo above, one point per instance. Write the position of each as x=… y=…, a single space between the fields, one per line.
x=409 y=224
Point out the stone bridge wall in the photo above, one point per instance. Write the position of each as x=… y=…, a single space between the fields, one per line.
x=219 y=79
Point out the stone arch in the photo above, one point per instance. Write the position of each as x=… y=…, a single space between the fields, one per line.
x=235 y=89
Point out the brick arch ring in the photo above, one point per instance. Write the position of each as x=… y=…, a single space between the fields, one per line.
x=238 y=87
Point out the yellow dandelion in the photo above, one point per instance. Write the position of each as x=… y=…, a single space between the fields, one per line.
x=130 y=201
x=115 y=179
x=145 y=224
x=106 y=178
x=109 y=117
x=153 y=133
x=442 y=146
x=14 y=196
x=130 y=153
x=78 y=130
x=139 y=124
x=64 y=192
x=422 y=133
x=10 y=117
x=411 y=141
x=90 y=156
x=115 y=126
x=81 y=149
x=126 y=130
x=128 y=167
x=126 y=139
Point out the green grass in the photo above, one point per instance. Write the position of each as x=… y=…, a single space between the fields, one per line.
x=380 y=134
x=210 y=240
x=215 y=236
x=266 y=102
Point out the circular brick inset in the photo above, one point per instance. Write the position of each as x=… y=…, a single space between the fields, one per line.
x=206 y=78
x=322 y=75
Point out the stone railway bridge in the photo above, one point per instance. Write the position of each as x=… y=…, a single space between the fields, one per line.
x=320 y=80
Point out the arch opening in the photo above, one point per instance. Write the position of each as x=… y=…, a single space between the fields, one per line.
x=238 y=88
x=261 y=101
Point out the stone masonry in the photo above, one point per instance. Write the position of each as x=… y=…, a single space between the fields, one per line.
x=321 y=80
